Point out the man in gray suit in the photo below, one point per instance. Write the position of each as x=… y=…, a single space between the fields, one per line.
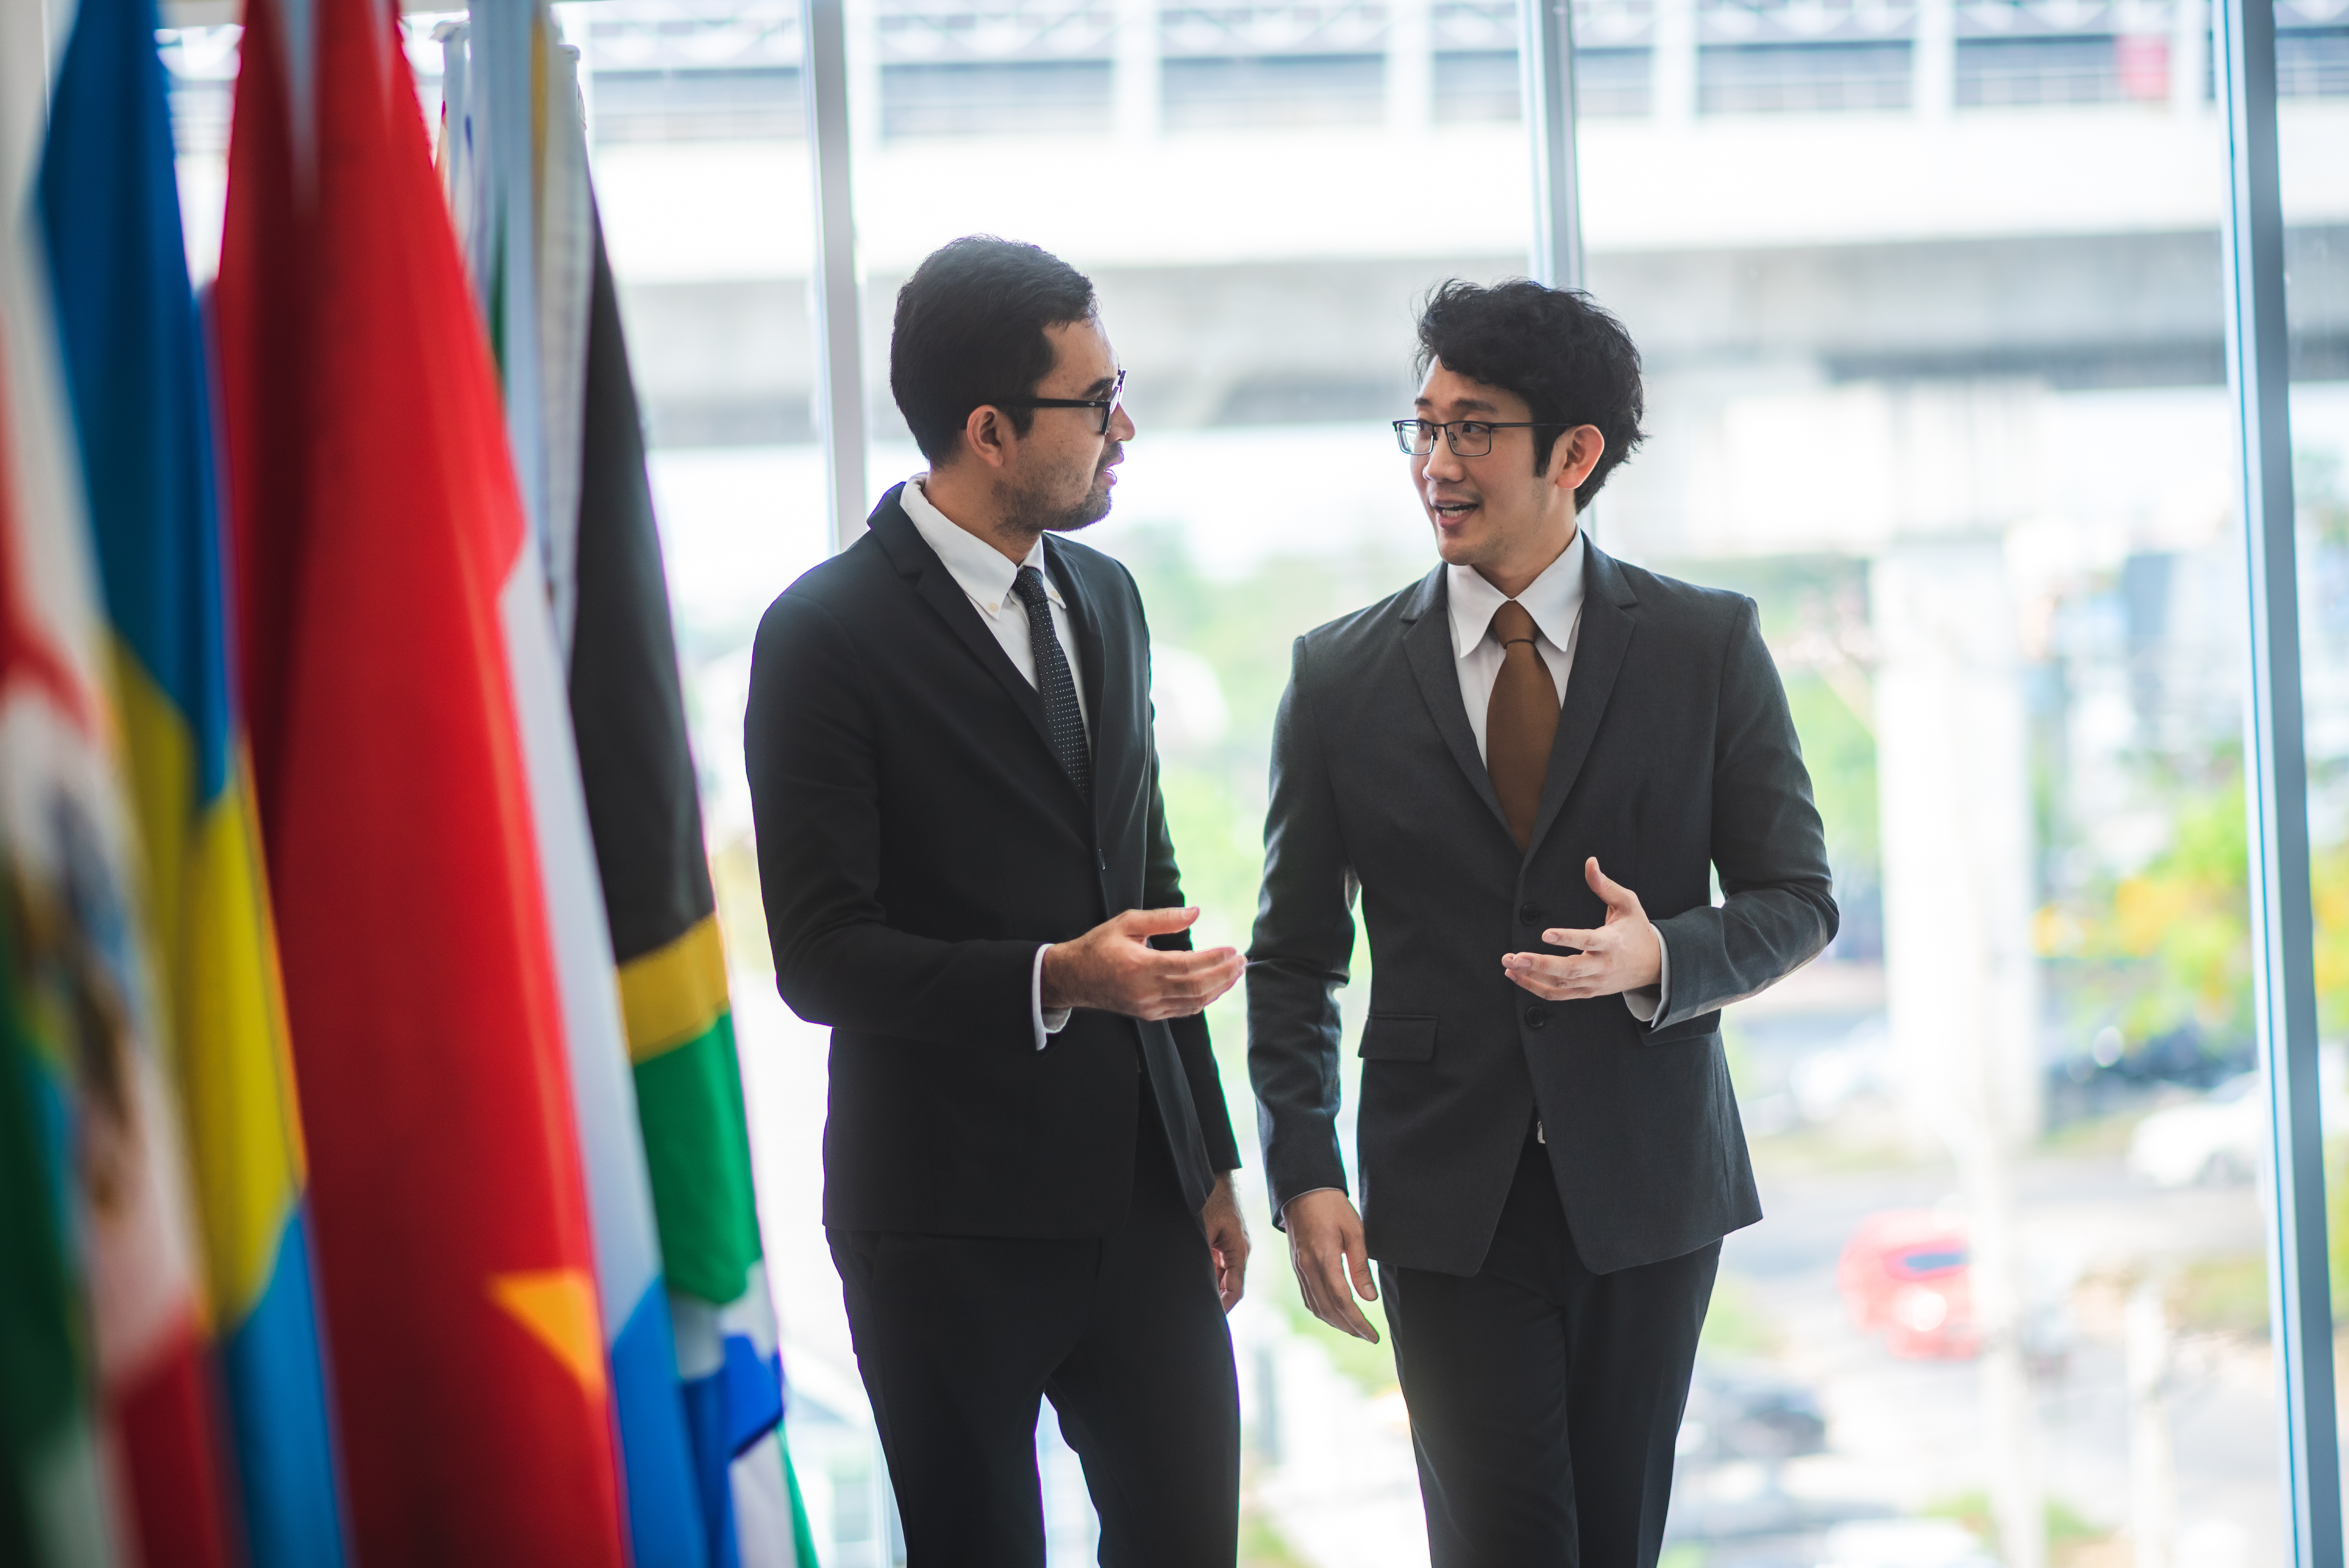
x=1527 y=765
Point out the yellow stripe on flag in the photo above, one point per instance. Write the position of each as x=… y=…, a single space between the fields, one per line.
x=558 y=1307
x=227 y=1037
x=675 y=992
x=162 y=781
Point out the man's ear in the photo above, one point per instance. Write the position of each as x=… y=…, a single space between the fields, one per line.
x=987 y=436
x=1577 y=453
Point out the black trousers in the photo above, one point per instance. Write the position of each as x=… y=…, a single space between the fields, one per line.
x=1544 y=1400
x=958 y=1336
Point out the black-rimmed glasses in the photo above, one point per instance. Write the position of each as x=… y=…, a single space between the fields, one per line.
x=1106 y=405
x=1468 y=438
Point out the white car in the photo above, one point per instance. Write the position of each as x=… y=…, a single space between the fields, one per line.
x=2216 y=1140
x=2223 y=1137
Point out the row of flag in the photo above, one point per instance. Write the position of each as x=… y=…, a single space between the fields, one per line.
x=374 y=1178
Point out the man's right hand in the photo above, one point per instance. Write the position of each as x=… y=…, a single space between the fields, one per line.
x=1114 y=969
x=1326 y=1250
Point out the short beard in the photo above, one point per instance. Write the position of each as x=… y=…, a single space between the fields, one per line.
x=1029 y=511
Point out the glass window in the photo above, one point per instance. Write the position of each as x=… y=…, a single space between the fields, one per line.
x=1947 y=400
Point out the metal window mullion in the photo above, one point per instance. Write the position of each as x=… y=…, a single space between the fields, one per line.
x=839 y=337
x=2275 y=764
x=1546 y=64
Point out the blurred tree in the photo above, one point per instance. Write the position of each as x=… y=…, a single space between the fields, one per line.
x=2169 y=947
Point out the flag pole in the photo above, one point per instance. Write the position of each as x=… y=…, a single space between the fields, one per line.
x=840 y=364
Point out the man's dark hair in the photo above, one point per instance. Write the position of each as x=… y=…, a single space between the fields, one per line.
x=1570 y=361
x=970 y=332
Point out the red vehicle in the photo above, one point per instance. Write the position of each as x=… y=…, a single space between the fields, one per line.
x=1903 y=1274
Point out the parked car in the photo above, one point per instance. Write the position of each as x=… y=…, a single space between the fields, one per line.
x=1904 y=1275
x=1739 y=1412
x=2215 y=1140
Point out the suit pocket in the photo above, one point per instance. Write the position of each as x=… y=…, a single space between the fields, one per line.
x=1695 y=1028
x=1397 y=1038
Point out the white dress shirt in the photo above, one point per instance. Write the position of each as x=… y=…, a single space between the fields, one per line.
x=987 y=575
x=1553 y=600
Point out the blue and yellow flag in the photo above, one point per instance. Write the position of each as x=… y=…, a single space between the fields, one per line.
x=135 y=368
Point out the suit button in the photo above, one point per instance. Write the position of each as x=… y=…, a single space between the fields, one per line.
x=1530 y=914
x=1535 y=1017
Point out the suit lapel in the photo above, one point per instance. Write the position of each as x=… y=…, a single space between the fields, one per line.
x=912 y=557
x=1607 y=626
x=1427 y=641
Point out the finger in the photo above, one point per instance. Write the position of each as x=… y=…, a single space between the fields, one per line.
x=1348 y=1318
x=1358 y=1260
x=1550 y=967
x=1180 y=963
x=1567 y=936
x=1321 y=1294
x=1159 y=922
x=1615 y=893
x=1201 y=982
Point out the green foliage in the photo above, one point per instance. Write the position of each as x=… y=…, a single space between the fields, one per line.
x=1370 y=1367
x=1839 y=749
x=1261 y=1544
x=2066 y=1524
x=2226 y=1295
x=1737 y=1324
x=2170 y=946
x=2324 y=506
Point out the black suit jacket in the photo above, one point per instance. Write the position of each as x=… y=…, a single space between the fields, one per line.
x=917 y=842
x=1675 y=755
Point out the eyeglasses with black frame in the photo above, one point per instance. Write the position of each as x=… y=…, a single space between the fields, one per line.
x=1106 y=405
x=1467 y=438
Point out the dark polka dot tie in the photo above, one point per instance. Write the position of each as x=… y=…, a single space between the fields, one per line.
x=1063 y=720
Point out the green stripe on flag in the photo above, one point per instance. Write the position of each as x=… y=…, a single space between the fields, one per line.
x=698 y=1147
x=803 y=1537
x=50 y=1509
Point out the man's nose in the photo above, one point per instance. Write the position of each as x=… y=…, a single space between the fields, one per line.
x=1442 y=462
x=1120 y=424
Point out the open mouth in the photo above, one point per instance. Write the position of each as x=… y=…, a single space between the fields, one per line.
x=1451 y=512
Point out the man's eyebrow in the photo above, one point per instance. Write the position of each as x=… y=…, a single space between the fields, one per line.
x=1101 y=387
x=1477 y=405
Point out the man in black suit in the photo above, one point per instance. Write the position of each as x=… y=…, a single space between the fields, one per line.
x=1495 y=759
x=967 y=874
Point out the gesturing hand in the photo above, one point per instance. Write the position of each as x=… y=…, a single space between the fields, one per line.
x=1114 y=969
x=1326 y=1250
x=1227 y=1240
x=1624 y=954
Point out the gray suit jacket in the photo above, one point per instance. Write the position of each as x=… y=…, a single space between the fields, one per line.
x=1675 y=755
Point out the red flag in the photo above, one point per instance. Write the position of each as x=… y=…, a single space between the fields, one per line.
x=377 y=520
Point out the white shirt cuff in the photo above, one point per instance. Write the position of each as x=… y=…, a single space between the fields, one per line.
x=1050 y=1023
x=1294 y=1196
x=1647 y=1004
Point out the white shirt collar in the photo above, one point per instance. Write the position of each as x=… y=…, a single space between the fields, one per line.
x=983 y=572
x=1553 y=600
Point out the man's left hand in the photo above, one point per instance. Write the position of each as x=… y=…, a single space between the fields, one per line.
x=1624 y=954
x=1227 y=1240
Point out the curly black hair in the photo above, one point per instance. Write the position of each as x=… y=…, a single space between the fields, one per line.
x=970 y=332
x=1556 y=348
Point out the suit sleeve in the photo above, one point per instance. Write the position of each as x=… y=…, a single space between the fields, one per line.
x=816 y=803
x=1778 y=908
x=1303 y=942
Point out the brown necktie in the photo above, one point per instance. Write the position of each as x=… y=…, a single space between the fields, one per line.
x=1520 y=722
